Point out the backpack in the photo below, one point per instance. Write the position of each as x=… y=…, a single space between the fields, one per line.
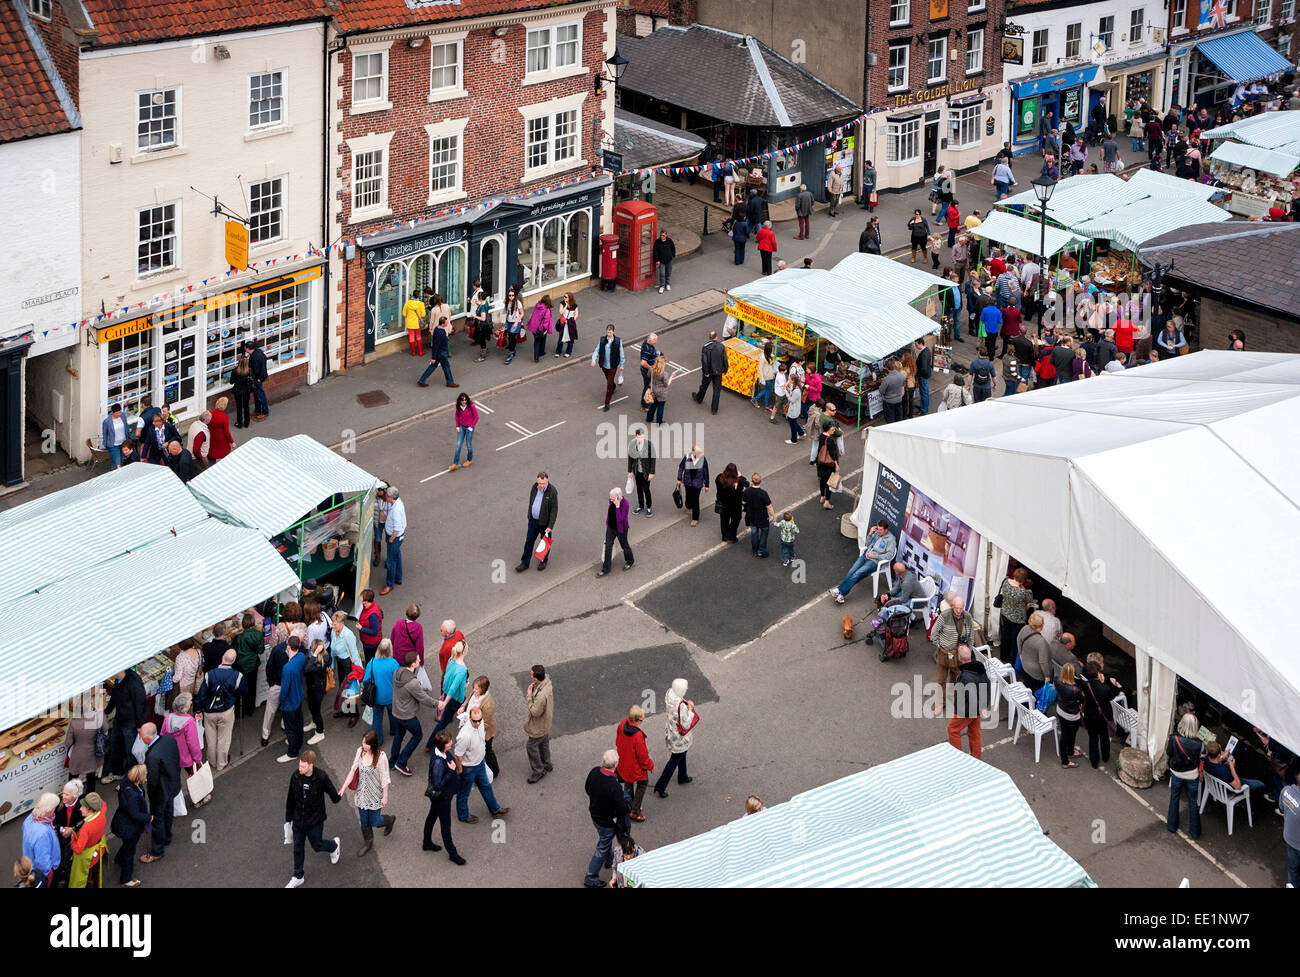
x=982 y=376
x=1044 y=367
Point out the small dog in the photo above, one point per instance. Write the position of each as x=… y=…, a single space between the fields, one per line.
x=848 y=627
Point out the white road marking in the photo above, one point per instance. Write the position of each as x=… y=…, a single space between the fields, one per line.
x=519 y=429
x=484 y=409
x=532 y=435
x=434 y=475
x=616 y=400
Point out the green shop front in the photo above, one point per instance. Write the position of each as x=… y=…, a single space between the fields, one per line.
x=1060 y=93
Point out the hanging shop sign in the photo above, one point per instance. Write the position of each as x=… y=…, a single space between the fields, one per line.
x=1013 y=50
x=236 y=245
x=783 y=328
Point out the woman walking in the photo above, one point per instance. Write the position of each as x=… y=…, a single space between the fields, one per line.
x=1098 y=714
x=407 y=636
x=541 y=324
x=828 y=462
x=466 y=420
x=766 y=375
x=641 y=466
x=693 y=478
x=368 y=780
x=222 y=443
x=657 y=392
x=454 y=682
x=1069 y=708
x=514 y=322
x=129 y=821
x=679 y=734
x=920 y=231
x=1015 y=600
x=729 y=502
x=765 y=241
x=181 y=726
x=381 y=669
x=444 y=783
x=617 y=522
x=566 y=332
x=241 y=383
x=793 y=407
x=480 y=317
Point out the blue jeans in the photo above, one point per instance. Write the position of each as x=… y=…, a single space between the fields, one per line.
x=740 y=252
x=982 y=391
x=1137 y=144
x=942 y=216
x=539 y=346
x=318 y=843
x=1177 y=786
x=1001 y=190
x=862 y=568
x=665 y=273
x=1293 y=866
x=758 y=539
x=765 y=394
x=393 y=566
x=923 y=385
x=400 y=728
x=371 y=819
x=471 y=776
x=655 y=415
x=604 y=854
x=259 y=399
x=433 y=365
x=377 y=721
x=787 y=552
x=115 y=456
x=464 y=438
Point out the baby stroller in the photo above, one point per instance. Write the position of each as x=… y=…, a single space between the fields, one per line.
x=891 y=627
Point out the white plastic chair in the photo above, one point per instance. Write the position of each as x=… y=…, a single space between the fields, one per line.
x=1030 y=720
x=1223 y=793
x=921 y=605
x=882 y=570
x=1126 y=719
x=1016 y=693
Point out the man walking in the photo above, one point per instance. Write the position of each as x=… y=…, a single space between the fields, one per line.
x=608 y=356
x=215 y=702
x=1110 y=154
x=471 y=751
x=713 y=366
x=162 y=762
x=540 y=699
x=444 y=784
x=304 y=809
x=803 y=208
x=608 y=807
x=649 y=353
x=292 y=691
x=664 y=251
x=439 y=354
x=543 y=507
x=758 y=515
x=834 y=190
x=924 y=370
x=1003 y=179
x=275 y=663
x=407 y=696
x=982 y=372
x=395 y=531
x=969 y=703
x=952 y=629
x=754 y=211
x=257 y=367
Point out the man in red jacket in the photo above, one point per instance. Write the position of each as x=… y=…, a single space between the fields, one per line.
x=450 y=636
x=634 y=763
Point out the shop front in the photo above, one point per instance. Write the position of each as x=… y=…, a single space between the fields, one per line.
x=1219 y=64
x=1123 y=82
x=956 y=125
x=1058 y=94
x=183 y=355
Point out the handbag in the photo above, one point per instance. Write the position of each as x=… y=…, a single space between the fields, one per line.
x=330 y=680
x=833 y=483
x=369 y=692
x=677 y=498
x=824 y=454
x=682 y=731
x=199 y=783
x=102 y=743
x=719 y=508
x=648 y=398
x=355 y=780
x=997 y=601
x=1110 y=723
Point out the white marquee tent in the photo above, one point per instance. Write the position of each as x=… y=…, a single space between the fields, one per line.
x=1163 y=500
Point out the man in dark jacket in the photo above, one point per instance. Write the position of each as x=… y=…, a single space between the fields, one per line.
x=608 y=807
x=924 y=370
x=439 y=354
x=257 y=367
x=180 y=461
x=129 y=705
x=1063 y=360
x=293 y=689
x=713 y=365
x=543 y=507
x=155 y=438
x=220 y=690
x=275 y=663
x=664 y=251
x=444 y=783
x=970 y=701
x=754 y=211
x=304 y=809
x=162 y=764
x=214 y=650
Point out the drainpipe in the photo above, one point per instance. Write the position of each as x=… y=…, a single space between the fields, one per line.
x=325 y=196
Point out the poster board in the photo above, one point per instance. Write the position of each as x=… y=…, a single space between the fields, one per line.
x=365 y=541
x=31 y=762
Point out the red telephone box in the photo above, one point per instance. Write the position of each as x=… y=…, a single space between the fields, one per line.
x=636 y=224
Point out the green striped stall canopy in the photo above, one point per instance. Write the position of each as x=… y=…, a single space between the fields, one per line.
x=270 y=485
x=58 y=642
x=1023 y=234
x=899 y=824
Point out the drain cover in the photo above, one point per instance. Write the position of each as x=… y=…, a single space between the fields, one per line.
x=372 y=398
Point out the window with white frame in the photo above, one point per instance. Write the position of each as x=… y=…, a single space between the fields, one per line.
x=552 y=135
x=1179 y=19
x=966 y=126
x=369 y=77
x=443 y=270
x=1106 y=31
x=157 y=241
x=40 y=8
x=158 y=119
x=1073 y=39
x=266 y=211
x=903 y=140
x=1284 y=45
x=266 y=99
x=369 y=179
x=444 y=164
x=1038 y=50
x=553 y=48
x=1136 y=19
x=1231 y=5
x=445 y=69
x=554 y=250
x=974 y=6
x=974 y=51
x=1285 y=10
x=937 y=63
x=898 y=67
x=1263 y=11
x=900 y=12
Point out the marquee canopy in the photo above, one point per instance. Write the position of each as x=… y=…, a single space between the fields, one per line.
x=1160 y=499
x=891 y=825
x=1023 y=235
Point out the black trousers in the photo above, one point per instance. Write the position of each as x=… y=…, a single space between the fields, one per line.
x=160 y=834
x=676 y=762
x=730 y=523
x=1008 y=631
x=1098 y=742
x=293 y=729
x=241 y=408
x=490 y=757
x=610 y=536
x=716 y=381
x=692 y=494
x=824 y=473
x=440 y=811
x=315 y=696
x=1069 y=730
x=643 y=500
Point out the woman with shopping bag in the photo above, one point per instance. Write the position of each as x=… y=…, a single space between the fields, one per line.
x=181 y=726
x=368 y=780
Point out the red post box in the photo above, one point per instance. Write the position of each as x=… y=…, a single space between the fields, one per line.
x=636 y=223
x=608 y=261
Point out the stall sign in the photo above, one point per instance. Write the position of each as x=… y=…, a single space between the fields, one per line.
x=782 y=328
x=875 y=403
x=1071 y=109
x=31 y=762
x=365 y=541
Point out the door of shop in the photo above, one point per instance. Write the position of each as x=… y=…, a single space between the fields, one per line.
x=182 y=361
x=931 y=144
x=492 y=268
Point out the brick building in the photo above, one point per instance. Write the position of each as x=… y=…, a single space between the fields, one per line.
x=1239 y=41
x=443 y=114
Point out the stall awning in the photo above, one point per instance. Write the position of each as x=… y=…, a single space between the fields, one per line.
x=1128 y=226
x=1131 y=471
x=269 y=485
x=1023 y=235
x=1054 y=81
x=1257 y=158
x=65 y=533
x=1244 y=56
x=59 y=642
x=889 y=826
x=1279 y=131
x=1121 y=68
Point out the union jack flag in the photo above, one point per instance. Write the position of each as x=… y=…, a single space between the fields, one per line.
x=1214 y=13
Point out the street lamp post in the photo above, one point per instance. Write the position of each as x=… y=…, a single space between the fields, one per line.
x=1043 y=187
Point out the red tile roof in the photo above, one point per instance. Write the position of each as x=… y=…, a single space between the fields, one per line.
x=31 y=106
x=369 y=15
x=141 y=21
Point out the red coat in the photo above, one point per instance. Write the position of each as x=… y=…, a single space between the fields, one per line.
x=219 y=431
x=634 y=763
x=765 y=239
x=953 y=218
x=444 y=653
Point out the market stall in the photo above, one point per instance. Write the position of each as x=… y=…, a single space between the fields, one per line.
x=1258 y=158
x=1025 y=236
x=867 y=307
x=318 y=512
x=889 y=826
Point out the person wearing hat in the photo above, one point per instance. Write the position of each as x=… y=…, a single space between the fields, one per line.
x=88 y=847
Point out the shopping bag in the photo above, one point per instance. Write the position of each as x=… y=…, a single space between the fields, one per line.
x=199 y=783
x=619 y=378
x=423 y=678
x=630 y=487
x=178 y=805
x=833 y=483
x=288 y=832
x=874 y=199
x=367 y=716
x=543 y=548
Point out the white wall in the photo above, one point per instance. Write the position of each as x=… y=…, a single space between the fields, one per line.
x=1089 y=15
x=894 y=175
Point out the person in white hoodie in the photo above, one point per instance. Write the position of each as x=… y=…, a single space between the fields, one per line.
x=198 y=439
x=679 y=734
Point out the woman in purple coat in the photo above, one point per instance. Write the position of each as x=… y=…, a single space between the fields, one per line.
x=616 y=523
x=541 y=324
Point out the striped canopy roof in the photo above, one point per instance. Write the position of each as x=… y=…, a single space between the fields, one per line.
x=269 y=485
x=895 y=825
x=1023 y=234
